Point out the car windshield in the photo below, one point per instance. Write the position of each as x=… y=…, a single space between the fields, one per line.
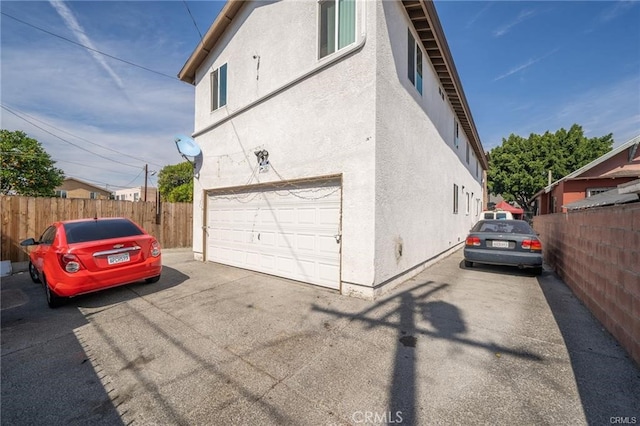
x=503 y=226
x=80 y=232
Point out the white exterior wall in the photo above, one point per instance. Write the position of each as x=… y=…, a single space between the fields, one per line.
x=416 y=161
x=321 y=125
x=129 y=194
x=359 y=117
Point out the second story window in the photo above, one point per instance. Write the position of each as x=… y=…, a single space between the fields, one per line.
x=219 y=88
x=414 y=63
x=455 y=198
x=337 y=25
x=456 y=133
x=467 y=154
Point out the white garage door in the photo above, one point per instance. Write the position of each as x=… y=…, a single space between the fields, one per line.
x=292 y=232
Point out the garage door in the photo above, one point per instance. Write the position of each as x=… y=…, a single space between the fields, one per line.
x=292 y=232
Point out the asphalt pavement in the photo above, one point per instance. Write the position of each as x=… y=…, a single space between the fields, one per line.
x=210 y=344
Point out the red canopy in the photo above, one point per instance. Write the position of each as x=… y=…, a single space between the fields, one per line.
x=503 y=205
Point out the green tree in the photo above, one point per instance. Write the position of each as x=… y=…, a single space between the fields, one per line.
x=519 y=167
x=26 y=167
x=175 y=183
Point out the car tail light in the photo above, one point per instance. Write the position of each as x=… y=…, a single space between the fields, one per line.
x=473 y=241
x=535 y=245
x=69 y=262
x=155 y=249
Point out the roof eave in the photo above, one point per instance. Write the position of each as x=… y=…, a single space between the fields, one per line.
x=210 y=39
x=448 y=77
x=435 y=44
x=629 y=144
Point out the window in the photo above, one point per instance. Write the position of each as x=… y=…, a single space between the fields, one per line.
x=477 y=167
x=48 y=235
x=456 y=133
x=219 y=88
x=467 y=153
x=80 y=232
x=136 y=196
x=415 y=63
x=93 y=195
x=468 y=205
x=455 y=198
x=337 y=30
x=593 y=191
x=61 y=193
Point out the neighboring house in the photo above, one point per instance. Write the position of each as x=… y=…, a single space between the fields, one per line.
x=624 y=193
x=76 y=188
x=618 y=166
x=338 y=148
x=136 y=194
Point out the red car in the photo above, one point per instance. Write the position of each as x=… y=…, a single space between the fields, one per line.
x=82 y=256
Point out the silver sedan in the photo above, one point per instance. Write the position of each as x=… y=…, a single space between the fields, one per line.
x=504 y=242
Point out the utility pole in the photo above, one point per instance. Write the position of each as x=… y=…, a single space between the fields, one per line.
x=146 y=174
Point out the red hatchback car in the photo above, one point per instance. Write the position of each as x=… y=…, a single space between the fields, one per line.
x=82 y=256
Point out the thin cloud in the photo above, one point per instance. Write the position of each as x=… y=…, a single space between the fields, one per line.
x=77 y=30
x=525 y=65
x=523 y=16
x=517 y=69
x=619 y=8
x=478 y=15
x=610 y=108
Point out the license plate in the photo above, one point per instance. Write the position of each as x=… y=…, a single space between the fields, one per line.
x=118 y=258
x=501 y=244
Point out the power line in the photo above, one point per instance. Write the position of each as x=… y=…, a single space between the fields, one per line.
x=83 y=139
x=86 y=165
x=134 y=179
x=64 y=140
x=104 y=183
x=193 y=19
x=49 y=157
x=90 y=48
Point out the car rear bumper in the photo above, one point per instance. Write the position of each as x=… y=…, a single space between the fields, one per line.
x=85 y=281
x=504 y=257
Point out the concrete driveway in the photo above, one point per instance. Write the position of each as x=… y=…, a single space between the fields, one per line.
x=210 y=344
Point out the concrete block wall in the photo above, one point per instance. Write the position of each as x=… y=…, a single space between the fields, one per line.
x=597 y=253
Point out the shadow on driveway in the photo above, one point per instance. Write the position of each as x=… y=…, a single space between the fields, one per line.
x=49 y=377
x=409 y=310
x=607 y=380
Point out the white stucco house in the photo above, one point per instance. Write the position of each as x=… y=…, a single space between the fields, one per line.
x=375 y=168
x=136 y=194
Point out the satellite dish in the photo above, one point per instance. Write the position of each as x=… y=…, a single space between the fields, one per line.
x=187 y=146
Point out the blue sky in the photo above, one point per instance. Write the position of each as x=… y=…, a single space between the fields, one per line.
x=526 y=67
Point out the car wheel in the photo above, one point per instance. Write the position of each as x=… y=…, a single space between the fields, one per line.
x=33 y=272
x=468 y=264
x=53 y=300
x=153 y=279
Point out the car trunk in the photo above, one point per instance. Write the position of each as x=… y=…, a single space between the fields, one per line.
x=112 y=254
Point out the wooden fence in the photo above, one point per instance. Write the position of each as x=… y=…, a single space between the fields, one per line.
x=24 y=217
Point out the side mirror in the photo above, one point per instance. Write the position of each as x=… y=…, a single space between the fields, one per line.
x=29 y=242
